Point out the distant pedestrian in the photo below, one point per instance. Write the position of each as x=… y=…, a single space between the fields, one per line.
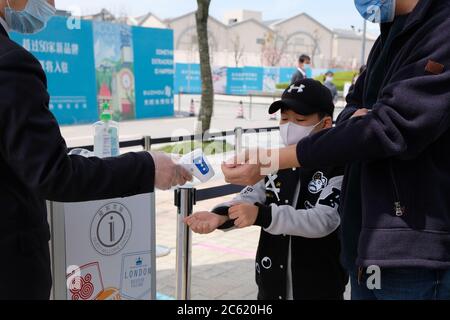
x=304 y=62
x=328 y=82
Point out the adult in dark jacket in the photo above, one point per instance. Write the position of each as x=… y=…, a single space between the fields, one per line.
x=34 y=164
x=303 y=62
x=394 y=138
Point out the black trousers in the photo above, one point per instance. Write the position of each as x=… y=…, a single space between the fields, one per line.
x=25 y=272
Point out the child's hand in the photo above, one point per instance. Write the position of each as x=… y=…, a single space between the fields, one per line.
x=205 y=222
x=244 y=214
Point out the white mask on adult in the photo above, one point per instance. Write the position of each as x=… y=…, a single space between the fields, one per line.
x=292 y=133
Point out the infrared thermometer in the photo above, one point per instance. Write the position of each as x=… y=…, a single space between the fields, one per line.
x=198 y=165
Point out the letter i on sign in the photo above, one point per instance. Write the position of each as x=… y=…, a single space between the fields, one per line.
x=111 y=230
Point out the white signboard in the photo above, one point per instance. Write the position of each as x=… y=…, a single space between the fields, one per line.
x=104 y=250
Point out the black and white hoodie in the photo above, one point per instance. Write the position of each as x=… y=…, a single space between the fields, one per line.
x=299 y=249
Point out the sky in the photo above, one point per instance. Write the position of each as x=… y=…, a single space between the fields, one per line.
x=332 y=13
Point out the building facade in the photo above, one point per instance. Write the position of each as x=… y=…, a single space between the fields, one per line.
x=244 y=38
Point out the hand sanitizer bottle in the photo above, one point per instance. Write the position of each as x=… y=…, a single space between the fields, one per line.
x=106 y=138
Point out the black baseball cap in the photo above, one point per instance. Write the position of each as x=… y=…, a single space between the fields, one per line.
x=305 y=97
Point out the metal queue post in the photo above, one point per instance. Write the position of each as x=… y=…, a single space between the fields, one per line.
x=185 y=200
x=238 y=133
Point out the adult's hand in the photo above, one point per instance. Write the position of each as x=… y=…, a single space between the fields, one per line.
x=244 y=169
x=168 y=174
x=361 y=113
x=251 y=166
x=242 y=174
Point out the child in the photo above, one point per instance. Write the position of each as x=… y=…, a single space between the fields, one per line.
x=297 y=209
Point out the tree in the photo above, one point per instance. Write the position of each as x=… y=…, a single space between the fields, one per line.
x=207 y=105
x=238 y=50
x=316 y=41
x=273 y=49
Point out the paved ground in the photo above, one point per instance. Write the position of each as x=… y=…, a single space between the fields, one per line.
x=223 y=263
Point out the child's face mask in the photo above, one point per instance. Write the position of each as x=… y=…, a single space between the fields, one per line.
x=292 y=133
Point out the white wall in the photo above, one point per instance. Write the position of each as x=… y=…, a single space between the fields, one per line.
x=243 y=37
x=153 y=22
x=303 y=24
x=241 y=15
x=348 y=52
x=333 y=49
x=185 y=30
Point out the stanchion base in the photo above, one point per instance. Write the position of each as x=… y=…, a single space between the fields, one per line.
x=162 y=251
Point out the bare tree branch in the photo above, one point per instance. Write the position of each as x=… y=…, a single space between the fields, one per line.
x=238 y=50
x=273 y=49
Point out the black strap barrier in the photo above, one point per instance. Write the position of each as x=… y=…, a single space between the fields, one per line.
x=122 y=144
x=217 y=192
x=210 y=136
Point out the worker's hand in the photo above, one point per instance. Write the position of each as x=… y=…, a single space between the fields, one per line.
x=168 y=174
x=205 y=222
x=361 y=113
x=245 y=215
x=245 y=169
